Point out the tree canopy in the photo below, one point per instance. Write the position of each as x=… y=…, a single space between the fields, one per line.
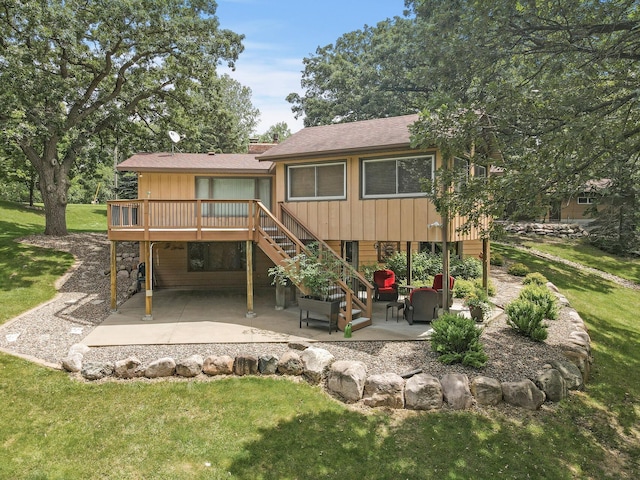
x=73 y=71
x=556 y=83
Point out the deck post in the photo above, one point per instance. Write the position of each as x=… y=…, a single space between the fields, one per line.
x=114 y=277
x=445 y=263
x=148 y=304
x=409 y=268
x=250 y=312
x=485 y=264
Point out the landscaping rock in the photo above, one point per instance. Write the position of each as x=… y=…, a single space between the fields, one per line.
x=245 y=365
x=582 y=360
x=316 y=361
x=423 y=392
x=96 y=370
x=455 y=387
x=190 y=367
x=570 y=373
x=346 y=379
x=73 y=362
x=80 y=348
x=298 y=345
x=384 y=390
x=130 y=367
x=523 y=394
x=290 y=363
x=163 y=367
x=218 y=365
x=486 y=390
x=552 y=384
x=267 y=364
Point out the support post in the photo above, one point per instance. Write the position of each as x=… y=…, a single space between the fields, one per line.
x=114 y=277
x=148 y=285
x=250 y=312
x=486 y=259
x=445 y=263
x=409 y=263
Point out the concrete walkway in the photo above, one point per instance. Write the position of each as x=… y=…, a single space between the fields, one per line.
x=203 y=316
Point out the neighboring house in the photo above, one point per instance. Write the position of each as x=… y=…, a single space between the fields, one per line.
x=223 y=220
x=579 y=208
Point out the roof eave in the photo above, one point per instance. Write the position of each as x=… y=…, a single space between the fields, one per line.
x=336 y=152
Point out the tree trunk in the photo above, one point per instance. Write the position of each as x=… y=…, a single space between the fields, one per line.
x=54 y=184
x=55 y=212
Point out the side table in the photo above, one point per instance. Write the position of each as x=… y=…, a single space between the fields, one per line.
x=398 y=306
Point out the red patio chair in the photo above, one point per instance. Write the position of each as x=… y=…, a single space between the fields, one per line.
x=386 y=288
x=438 y=286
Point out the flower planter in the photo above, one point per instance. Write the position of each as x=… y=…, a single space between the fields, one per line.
x=320 y=311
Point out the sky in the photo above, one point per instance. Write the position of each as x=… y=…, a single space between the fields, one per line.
x=280 y=33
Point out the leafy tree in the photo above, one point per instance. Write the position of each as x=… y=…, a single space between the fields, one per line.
x=72 y=70
x=276 y=133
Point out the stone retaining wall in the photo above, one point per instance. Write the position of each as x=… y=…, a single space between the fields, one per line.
x=349 y=381
x=559 y=230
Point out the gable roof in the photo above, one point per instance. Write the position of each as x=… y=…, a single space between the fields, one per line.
x=340 y=138
x=196 y=162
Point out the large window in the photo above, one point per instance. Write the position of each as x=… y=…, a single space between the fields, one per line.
x=221 y=188
x=322 y=181
x=216 y=256
x=396 y=177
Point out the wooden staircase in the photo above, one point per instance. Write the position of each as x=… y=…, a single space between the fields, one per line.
x=281 y=240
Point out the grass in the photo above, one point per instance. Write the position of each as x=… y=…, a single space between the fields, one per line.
x=53 y=427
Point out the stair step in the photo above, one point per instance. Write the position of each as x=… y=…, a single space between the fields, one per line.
x=359 y=323
x=355 y=312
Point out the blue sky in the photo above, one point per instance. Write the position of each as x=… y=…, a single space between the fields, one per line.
x=280 y=33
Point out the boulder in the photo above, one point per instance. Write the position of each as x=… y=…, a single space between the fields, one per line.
x=80 y=348
x=455 y=387
x=190 y=367
x=423 y=392
x=72 y=362
x=163 y=367
x=267 y=364
x=245 y=365
x=316 y=361
x=384 y=390
x=218 y=365
x=582 y=360
x=486 y=390
x=290 y=363
x=570 y=373
x=346 y=379
x=96 y=370
x=523 y=394
x=130 y=367
x=298 y=345
x=552 y=384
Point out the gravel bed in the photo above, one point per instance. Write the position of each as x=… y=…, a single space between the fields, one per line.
x=47 y=332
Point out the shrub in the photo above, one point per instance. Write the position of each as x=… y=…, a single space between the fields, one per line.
x=535 y=278
x=457 y=340
x=466 y=269
x=463 y=288
x=490 y=287
x=526 y=318
x=518 y=269
x=368 y=269
x=398 y=263
x=543 y=298
x=496 y=259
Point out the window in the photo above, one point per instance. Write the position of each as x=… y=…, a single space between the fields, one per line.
x=216 y=256
x=321 y=181
x=395 y=177
x=221 y=188
x=479 y=171
x=585 y=200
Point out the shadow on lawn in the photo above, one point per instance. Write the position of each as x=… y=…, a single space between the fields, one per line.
x=456 y=445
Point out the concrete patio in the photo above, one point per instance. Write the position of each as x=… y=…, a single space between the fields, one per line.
x=205 y=316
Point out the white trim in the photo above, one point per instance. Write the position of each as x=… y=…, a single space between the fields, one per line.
x=316 y=165
x=364 y=161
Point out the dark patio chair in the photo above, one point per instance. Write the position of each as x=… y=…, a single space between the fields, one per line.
x=438 y=287
x=422 y=305
x=386 y=288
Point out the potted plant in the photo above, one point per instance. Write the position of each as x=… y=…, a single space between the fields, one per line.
x=478 y=304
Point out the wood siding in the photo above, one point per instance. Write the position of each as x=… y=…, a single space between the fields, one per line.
x=170 y=270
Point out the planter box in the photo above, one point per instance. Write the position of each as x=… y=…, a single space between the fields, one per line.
x=319 y=311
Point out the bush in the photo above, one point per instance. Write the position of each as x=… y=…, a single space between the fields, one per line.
x=496 y=259
x=543 y=298
x=463 y=288
x=490 y=287
x=457 y=340
x=466 y=269
x=368 y=269
x=535 y=278
x=518 y=270
x=398 y=263
x=526 y=318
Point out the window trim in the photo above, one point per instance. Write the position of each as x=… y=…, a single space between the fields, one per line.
x=291 y=198
x=588 y=200
x=365 y=160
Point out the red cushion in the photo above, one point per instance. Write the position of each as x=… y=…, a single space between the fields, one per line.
x=437 y=282
x=384 y=279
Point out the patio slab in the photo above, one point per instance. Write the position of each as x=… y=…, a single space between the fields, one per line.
x=204 y=316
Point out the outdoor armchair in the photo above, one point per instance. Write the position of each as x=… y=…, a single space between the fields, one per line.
x=438 y=287
x=422 y=305
x=386 y=288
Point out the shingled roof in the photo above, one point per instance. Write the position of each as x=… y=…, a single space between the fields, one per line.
x=341 y=138
x=196 y=162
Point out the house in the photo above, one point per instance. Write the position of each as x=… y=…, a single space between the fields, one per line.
x=579 y=208
x=207 y=220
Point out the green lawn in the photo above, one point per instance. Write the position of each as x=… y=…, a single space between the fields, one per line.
x=52 y=427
